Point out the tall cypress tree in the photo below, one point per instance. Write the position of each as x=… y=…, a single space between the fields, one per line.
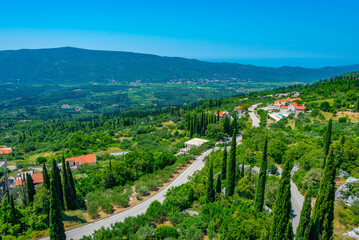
x=303 y=230
x=30 y=189
x=219 y=183
x=66 y=191
x=56 y=228
x=323 y=214
x=327 y=141
x=72 y=185
x=55 y=172
x=242 y=169
x=224 y=163
x=45 y=177
x=210 y=194
x=231 y=169
x=261 y=183
x=281 y=228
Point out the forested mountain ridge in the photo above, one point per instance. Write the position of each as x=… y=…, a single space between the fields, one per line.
x=74 y=65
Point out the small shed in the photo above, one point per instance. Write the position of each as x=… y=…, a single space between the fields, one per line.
x=195 y=142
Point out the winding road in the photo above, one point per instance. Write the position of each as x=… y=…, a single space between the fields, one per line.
x=88 y=229
x=297 y=198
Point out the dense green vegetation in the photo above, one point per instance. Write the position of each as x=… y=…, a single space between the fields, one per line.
x=153 y=136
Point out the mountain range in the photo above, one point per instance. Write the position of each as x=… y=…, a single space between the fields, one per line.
x=74 y=65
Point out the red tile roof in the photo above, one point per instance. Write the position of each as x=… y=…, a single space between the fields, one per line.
x=294 y=104
x=284 y=100
x=296 y=99
x=221 y=113
x=90 y=158
x=36 y=178
x=5 y=150
x=283 y=106
x=300 y=107
x=239 y=107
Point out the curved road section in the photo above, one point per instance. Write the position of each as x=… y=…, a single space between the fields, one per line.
x=89 y=229
x=255 y=119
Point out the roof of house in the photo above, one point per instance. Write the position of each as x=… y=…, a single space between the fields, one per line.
x=300 y=107
x=5 y=150
x=294 y=104
x=221 y=113
x=239 y=107
x=296 y=99
x=90 y=158
x=196 y=141
x=284 y=100
x=284 y=107
x=36 y=178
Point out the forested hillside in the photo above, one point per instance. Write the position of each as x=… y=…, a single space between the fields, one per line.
x=243 y=192
x=74 y=66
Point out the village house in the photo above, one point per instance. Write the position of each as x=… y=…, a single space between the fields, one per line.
x=292 y=108
x=83 y=159
x=5 y=150
x=222 y=114
x=195 y=142
x=240 y=111
x=37 y=178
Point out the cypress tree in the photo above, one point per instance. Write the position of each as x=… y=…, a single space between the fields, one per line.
x=259 y=197
x=45 y=177
x=323 y=214
x=327 y=141
x=231 y=170
x=219 y=183
x=30 y=189
x=304 y=224
x=242 y=169
x=66 y=191
x=72 y=185
x=56 y=228
x=56 y=178
x=281 y=227
x=224 y=163
x=210 y=194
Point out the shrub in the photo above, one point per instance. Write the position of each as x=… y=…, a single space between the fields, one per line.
x=146 y=232
x=164 y=231
x=41 y=160
x=272 y=168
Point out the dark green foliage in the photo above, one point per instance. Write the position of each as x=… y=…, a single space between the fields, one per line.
x=303 y=229
x=55 y=172
x=224 y=163
x=210 y=193
x=109 y=178
x=323 y=214
x=242 y=170
x=56 y=229
x=72 y=186
x=30 y=189
x=67 y=193
x=46 y=178
x=260 y=189
x=219 y=183
x=231 y=169
x=166 y=232
x=327 y=141
x=281 y=227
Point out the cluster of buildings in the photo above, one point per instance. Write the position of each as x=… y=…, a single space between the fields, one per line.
x=225 y=114
x=288 y=106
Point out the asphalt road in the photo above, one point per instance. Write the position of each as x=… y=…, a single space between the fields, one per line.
x=297 y=200
x=141 y=208
x=255 y=119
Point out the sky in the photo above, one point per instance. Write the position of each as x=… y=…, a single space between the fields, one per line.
x=274 y=33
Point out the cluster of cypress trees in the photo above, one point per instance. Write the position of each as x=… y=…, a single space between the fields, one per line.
x=260 y=189
x=319 y=226
x=210 y=193
x=198 y=124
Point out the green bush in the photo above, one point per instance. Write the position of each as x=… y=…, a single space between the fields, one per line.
x=164 y=231
x=41 y=160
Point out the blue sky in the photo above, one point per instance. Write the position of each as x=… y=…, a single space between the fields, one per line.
x=271 y=33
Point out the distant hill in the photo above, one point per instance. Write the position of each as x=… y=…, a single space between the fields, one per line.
x=74 y=65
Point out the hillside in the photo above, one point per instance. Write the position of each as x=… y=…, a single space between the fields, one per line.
x=73 y=65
